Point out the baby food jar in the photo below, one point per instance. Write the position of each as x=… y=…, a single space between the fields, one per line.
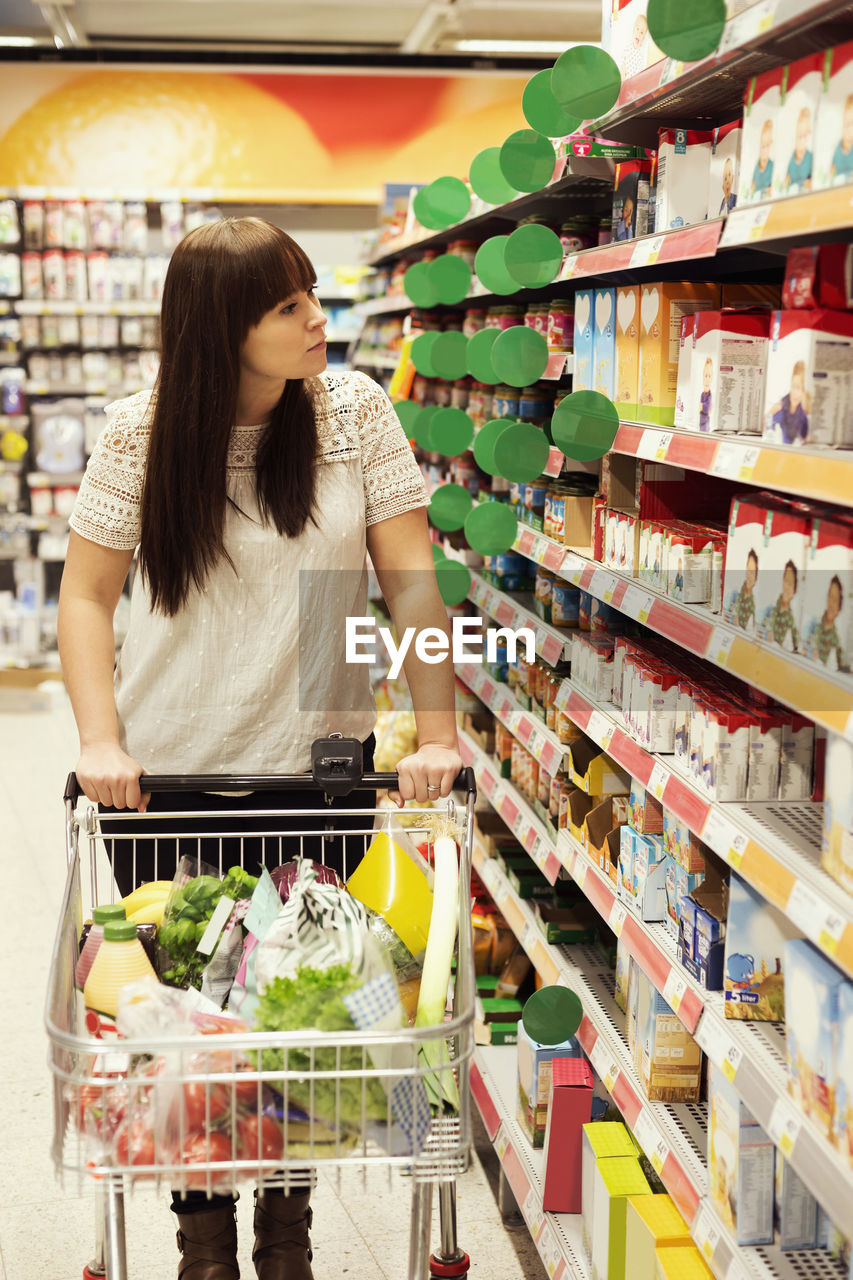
x=534 y=497
x=505 y=402
x=506 y=317
x=474 y=321
x=576 y=234
x=561 y=325
x=466 y=249
x=460 y=392
x=565 y=605
x=536 y=404
x=543 y=589
x=516 y=493
x=536 y=317
x=479 y=404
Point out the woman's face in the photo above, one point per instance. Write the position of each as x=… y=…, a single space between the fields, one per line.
x=288 y=342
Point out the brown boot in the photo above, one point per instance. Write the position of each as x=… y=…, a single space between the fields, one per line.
x=282 y=1247
x=208 y=1245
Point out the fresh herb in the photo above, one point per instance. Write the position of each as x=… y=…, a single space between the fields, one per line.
x=186 y=918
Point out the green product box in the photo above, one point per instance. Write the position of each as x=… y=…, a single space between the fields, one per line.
x=529 y=886
x=496 y=1020
x=562 y=924
x=486 y=983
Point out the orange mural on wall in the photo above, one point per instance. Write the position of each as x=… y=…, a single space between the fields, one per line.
x=253 y=136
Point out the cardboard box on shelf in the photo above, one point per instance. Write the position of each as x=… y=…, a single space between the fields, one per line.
x=602 y=835
x=756 y=937
x=496 y=1020
x=807 y=395
x=760 y=136
x=728 y=364
x=594 y=772
x=724 y=169
x=837 y=847
x=646 y=811
x=794 y=156
x=744 y=555
x=843 y=1107
x=630 y=44
x=631 y=187
x=680 y=1262
x=579 y=805
x=563 y=924
x=796 y=1208
x=534 y=1067
x=661 y=308
x=827 y=595
x=702 y=928
x=683 y=176
x=667 y=1058
x=614 y=1180
x=627 y=378
x=725 y=749
x=779 y=598
x=833 y=146
x=796 y=763
x=740 y=1164
x=604 y=342
x=569 y=1108
x=684 y=415
x=602 y=1140
x=651 y=1222
x=813 y=989
x=583 y=376
x=681 y=843
x=648 y=888
x=679 y=883
x=818 y=275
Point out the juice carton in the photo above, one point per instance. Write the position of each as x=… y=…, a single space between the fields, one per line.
x=740 y=1164
x=760 y=135
x=604 y=342
x=756 y=937
x=584 y=323
x=728 y=365
x=808 y=396
x=827 y=604
x=569 y=1106
x=794 y=151
x=837 y=850
x=724 y=169
x=661 y=309
x=627 y=378
x=833 y=145
x=811 y=1031
x=683 y=175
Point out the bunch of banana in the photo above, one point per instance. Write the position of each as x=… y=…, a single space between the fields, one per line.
x=148 y=902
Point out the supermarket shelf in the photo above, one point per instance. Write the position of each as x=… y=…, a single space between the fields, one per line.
x=824 y=474
x=30 y=307
x=540 y=741
x=552 y=643
x=13 y=420
x=675 y=1137
x=82 y=389
x=777 y=222
x=395 y=304
x=558 y=1236
x=681 y=245
x=826 y=697
x=375 y=360
x=765 y=35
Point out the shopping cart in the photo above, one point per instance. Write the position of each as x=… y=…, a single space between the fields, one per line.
x=99 y=1087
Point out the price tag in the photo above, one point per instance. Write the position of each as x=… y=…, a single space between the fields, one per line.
x=550 y=1251
x=646 y=251
x=518 y=824
x=663 y=446
x=737 y=850
x=650 y=442
x=506 y=707
x=637 y=603
x=554 y=556
x=552 y=649
x=658 y=780
x=564 y=693
x=551 y=759
x=533 y=1215
x=735 y=1271
x=611 y=1075
x=710 y=1242
x=784 y=1126
x=727 y=461
x=487 y=782
x=748 y=461
x=528 y=936
x=831 y=932
x=536 y=849
x=487 y=691
x=504 y=613
x=525 y=542
x=713 y=1038
x=600 y=729
x=600 y=1058
x=501 y=1142
x=646 y=1132
x=536 y=743
x=659 y=1154
x=599 y=583
x=731 y=1062
x=617 y=916
x=674 y=990
x=817 y=920
x=720 y=646
x=567 y=270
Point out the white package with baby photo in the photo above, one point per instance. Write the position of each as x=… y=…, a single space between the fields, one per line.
x=724 y=169
x=779 y=588
x=833 y=147
x=744 y=551
x=727 y=371
x=808 y=396
x=682 y=387
x=684 y=165
x=827 y=610
x=794 y=148
x=760 y=128
x=632 y=47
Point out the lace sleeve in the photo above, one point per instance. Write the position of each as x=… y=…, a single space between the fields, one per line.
x=107 y=507
x=393 y=482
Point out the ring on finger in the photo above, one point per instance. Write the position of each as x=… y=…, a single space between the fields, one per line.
x=433 y=788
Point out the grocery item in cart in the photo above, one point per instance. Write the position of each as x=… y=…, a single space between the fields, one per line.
x=120 y=960
x=196 y=916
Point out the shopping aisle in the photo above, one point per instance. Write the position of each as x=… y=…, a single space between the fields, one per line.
x=359 y=1229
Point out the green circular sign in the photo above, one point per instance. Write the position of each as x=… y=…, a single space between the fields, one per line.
x=487 y=177
x=543 y=112
x=407 y=411
x=584 y=425
x=491 y=528
x=424 y=212
x=521 y=452
x=686 y=32
x=533 y=255
x=479 y=356
x=421 y=348
x=442 y=203
x=528 y=160
x=448 y=355
x=454 y=581
x=490 y=268
x=449 y=506
x=437 y=552
x=451 y=432
x=585 y=81
x=552 y=1015
x=485 y=441
x=418 y=285
x=421 y=428
x=520 y=356
x=449 y=277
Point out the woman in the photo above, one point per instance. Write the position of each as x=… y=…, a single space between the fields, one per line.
x=252 y=483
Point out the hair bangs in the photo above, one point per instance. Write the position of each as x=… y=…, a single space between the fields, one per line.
x=274 y=268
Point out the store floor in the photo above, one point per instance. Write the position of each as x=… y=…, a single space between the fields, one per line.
x=47 y=1232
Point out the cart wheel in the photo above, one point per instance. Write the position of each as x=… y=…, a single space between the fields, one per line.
x=442 y=1269
x=89 y=1274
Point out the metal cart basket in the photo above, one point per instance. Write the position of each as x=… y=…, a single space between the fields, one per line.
x=269 y=1106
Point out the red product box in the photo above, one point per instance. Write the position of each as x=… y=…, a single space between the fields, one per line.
x=569 y=1109
x=819 y=275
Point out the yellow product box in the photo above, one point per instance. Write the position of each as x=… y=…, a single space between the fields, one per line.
x=661 y=309
x=602 y=1140
x=651 y=1221
x=594 y=772
x=681 y=1262
x=613 y=1182
x=627 y=380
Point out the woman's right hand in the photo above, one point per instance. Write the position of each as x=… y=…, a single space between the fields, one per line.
x=110 y=776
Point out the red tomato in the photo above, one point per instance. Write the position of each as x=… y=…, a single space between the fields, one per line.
x=195 y=1104
x=246 y=1091
x=135 y=1143
x=203 y=1149
x=263 y=1130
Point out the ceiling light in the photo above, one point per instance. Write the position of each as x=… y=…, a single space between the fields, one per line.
x=518 y=46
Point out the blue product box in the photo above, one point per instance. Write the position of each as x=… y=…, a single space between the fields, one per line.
x=813 y=993
x=678 y=884
x=650 y=877
x=625 y=873
x=582 y=379
x=756 y=935
x=646 y=811
x=534 y=1081
x=702 y=931
x=604 y=343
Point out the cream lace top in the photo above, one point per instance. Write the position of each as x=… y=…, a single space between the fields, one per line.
x=253 y=669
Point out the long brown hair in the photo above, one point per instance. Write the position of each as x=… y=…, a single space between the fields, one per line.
x=222 y=279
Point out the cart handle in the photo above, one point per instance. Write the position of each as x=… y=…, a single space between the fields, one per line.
x=150 y=782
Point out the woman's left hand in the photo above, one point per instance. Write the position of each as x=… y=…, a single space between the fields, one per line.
x=429 y=774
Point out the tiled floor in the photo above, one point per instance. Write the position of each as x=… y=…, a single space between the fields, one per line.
x=46 y=1232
